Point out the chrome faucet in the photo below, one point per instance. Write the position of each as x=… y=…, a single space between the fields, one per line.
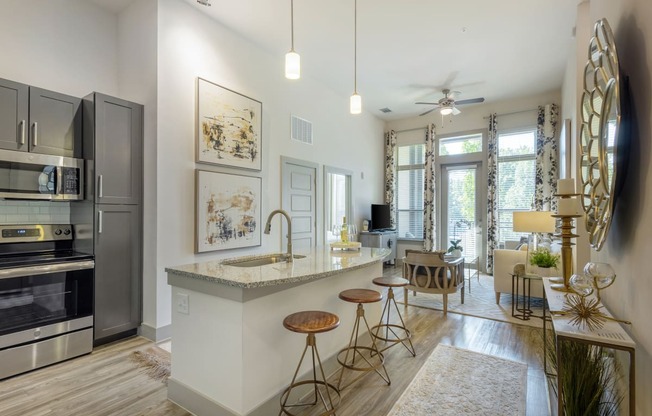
x=268 y=228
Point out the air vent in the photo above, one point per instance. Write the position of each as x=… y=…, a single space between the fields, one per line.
x=385 y=110
x=301 y=130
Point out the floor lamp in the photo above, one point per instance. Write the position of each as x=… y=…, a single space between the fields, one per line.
x=533 y=222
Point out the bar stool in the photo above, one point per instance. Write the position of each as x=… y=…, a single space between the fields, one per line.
x=311 y=323
x=391 y=282
x=375 y=360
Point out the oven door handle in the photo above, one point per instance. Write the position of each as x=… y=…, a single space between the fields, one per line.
x=46 y=269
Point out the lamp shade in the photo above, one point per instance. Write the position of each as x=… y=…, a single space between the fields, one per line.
x=292 y=65
x=533 y=222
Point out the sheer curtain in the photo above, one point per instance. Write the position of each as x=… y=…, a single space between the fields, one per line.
x=547 y=163
x=390 y=174
x=492 y=201
x=429 y=223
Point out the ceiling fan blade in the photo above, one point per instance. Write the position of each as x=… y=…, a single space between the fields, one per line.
x=470 y=101
x=454 y=94
x=421 y=102
x=456 y=111
x=429 y=111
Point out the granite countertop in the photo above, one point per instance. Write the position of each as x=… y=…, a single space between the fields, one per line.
x=320 y=262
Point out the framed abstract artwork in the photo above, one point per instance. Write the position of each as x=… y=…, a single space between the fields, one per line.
x=229 y=127
x=228 y=211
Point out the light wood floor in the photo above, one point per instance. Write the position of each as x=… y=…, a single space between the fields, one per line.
x=106 y=382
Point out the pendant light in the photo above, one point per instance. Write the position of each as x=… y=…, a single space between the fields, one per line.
x=356 y=101
x=292 y=59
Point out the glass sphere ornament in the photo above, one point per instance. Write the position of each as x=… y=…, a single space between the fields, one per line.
x=581 y=284
x=602 y=274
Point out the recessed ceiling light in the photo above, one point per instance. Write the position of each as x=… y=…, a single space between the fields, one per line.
x=204 y=2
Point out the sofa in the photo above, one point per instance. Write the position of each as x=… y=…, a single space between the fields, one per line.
x=504 y=262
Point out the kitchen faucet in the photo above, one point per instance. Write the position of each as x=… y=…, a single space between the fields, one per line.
x=268 y=228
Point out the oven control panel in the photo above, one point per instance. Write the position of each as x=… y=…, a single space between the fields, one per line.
x=35 y=232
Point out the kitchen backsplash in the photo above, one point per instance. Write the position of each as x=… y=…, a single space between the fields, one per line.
x=34 y=212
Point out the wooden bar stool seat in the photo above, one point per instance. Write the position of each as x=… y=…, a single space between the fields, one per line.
x=368 y=358
x=311 y=323
x=393 y=333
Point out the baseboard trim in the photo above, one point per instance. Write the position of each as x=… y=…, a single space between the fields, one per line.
x=156 y=334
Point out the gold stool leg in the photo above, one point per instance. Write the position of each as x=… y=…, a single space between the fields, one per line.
x=389 y=327
x=356 y=350
x=328 y=405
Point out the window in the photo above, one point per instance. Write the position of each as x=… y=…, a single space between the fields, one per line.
x=516 y=157
x=459 y=145
x=409 y=192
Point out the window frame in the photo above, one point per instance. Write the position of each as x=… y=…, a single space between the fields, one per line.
x=511 y=159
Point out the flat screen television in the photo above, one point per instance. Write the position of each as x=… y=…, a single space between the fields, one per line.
x=380 y=217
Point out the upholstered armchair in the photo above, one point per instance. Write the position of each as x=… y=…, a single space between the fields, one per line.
x=430 y=272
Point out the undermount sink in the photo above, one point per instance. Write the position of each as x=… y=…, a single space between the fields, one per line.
x=261 y=261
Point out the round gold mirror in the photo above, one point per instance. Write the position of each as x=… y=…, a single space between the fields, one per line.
x=599 y=132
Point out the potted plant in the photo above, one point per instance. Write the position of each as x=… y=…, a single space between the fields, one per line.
x=544 y=260
x=455 y=249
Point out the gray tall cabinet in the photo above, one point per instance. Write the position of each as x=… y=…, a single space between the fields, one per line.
x=39 y=121
x=113 y=148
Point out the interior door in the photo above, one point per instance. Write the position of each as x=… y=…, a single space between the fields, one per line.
x=299 y=194
x=461 y=217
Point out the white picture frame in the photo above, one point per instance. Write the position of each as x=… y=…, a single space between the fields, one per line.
x=228 y=211
x=229 y=127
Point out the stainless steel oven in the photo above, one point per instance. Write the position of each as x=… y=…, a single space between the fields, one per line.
x=46 y=297
x=26 y=175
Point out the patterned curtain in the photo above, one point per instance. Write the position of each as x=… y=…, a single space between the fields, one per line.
x=429 y=223
x=390 y=174
x=547 y=163
x=492 y=202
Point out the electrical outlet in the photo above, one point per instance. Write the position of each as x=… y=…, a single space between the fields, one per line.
x=183 y=303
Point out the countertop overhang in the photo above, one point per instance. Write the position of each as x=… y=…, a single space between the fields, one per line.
x=319 y=262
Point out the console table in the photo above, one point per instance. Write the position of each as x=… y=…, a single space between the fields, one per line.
x=611 y=335
x=381 y=239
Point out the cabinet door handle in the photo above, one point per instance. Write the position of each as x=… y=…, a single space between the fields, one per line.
x=99 y=222
x=100 y=190
x=22 y=131
x=35 y=141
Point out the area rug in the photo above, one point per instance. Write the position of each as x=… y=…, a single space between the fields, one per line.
x=154 y=361
x=481 y=302
x=455 y=381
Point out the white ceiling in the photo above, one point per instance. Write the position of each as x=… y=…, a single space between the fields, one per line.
x=409 y=50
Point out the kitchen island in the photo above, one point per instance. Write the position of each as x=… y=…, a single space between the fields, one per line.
x=231 y=354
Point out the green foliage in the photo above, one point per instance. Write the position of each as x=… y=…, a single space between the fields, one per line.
x=455 y=245
x=543 y=258
x=588 y=379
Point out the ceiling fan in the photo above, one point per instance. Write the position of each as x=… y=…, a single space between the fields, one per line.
x=447 y=105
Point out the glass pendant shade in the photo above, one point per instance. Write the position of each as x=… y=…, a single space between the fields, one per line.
x=292 y=65
x=446 y=111
x=356 y=104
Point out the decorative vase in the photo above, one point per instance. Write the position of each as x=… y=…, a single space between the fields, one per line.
x=456 y=253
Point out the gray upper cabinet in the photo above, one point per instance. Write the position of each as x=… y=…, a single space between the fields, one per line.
x=118 y=152
x=54 y=123
x=40 y=121
x=14 y=112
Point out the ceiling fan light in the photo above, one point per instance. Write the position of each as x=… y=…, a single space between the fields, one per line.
x=446 y=111
x=292 y=65
x=356 y=104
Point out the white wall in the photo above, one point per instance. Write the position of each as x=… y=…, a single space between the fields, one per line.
x=629 y=241
x=68 y=46
x=191 y=45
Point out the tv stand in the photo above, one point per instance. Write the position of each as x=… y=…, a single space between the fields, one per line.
x=381 y=239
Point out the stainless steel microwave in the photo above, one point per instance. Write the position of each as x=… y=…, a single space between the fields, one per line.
x=26 y=175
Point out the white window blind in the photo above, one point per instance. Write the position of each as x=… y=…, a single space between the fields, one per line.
x=409 y=192
x=516 y=157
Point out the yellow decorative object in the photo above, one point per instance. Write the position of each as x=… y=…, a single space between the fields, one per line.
x=349 y=245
